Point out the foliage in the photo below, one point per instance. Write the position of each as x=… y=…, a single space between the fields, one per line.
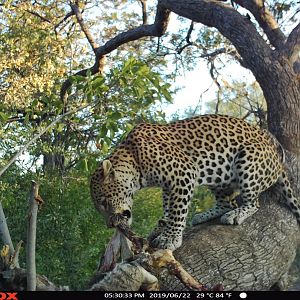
x=124 y=97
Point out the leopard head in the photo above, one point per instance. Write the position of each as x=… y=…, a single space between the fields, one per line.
x=112 y=194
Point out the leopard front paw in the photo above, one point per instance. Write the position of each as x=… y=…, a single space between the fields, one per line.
x=164 y=241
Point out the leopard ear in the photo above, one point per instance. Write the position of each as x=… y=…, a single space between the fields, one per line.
x=107 y=167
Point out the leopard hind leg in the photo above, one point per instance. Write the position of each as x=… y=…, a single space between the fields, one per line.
x=248 y=207
x=284 y=187
x=225 y=202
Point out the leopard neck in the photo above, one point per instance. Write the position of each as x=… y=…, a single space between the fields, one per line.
x=124 y=162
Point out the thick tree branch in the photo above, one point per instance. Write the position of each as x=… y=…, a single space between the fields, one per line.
x=265 y=19
x=4 y=232
x=252 y=256
x=157 y=29
x=231 y=24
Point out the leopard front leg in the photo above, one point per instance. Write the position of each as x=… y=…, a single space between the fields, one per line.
x=170 y=236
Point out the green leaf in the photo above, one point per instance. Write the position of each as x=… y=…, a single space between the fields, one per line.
x=103 y=131
x=3 y=117
x=115 y=116
x=98 y=82
x=77 y=78
x=104 y=147
x=60 y=127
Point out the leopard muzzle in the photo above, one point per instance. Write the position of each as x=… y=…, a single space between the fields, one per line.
x=119 y=218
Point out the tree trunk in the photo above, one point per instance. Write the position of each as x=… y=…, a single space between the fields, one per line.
x=281 y=89
x=255 y=255
x=53 y=162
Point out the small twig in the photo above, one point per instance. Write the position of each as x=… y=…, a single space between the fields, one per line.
x=67 y=16
x=39 y=16
x=187 y=39
x=83 y=27
x=31 y=237
x=144 y=11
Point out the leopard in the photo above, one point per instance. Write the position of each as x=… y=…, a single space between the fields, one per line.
x=226 y=154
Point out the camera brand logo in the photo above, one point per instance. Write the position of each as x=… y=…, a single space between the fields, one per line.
x=8 y=296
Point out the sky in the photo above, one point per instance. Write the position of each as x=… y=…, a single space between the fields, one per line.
x=198 y=87
x=195 y=83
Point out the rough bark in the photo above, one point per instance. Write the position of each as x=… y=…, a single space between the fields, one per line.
x=281 y=89
x=253 y=256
